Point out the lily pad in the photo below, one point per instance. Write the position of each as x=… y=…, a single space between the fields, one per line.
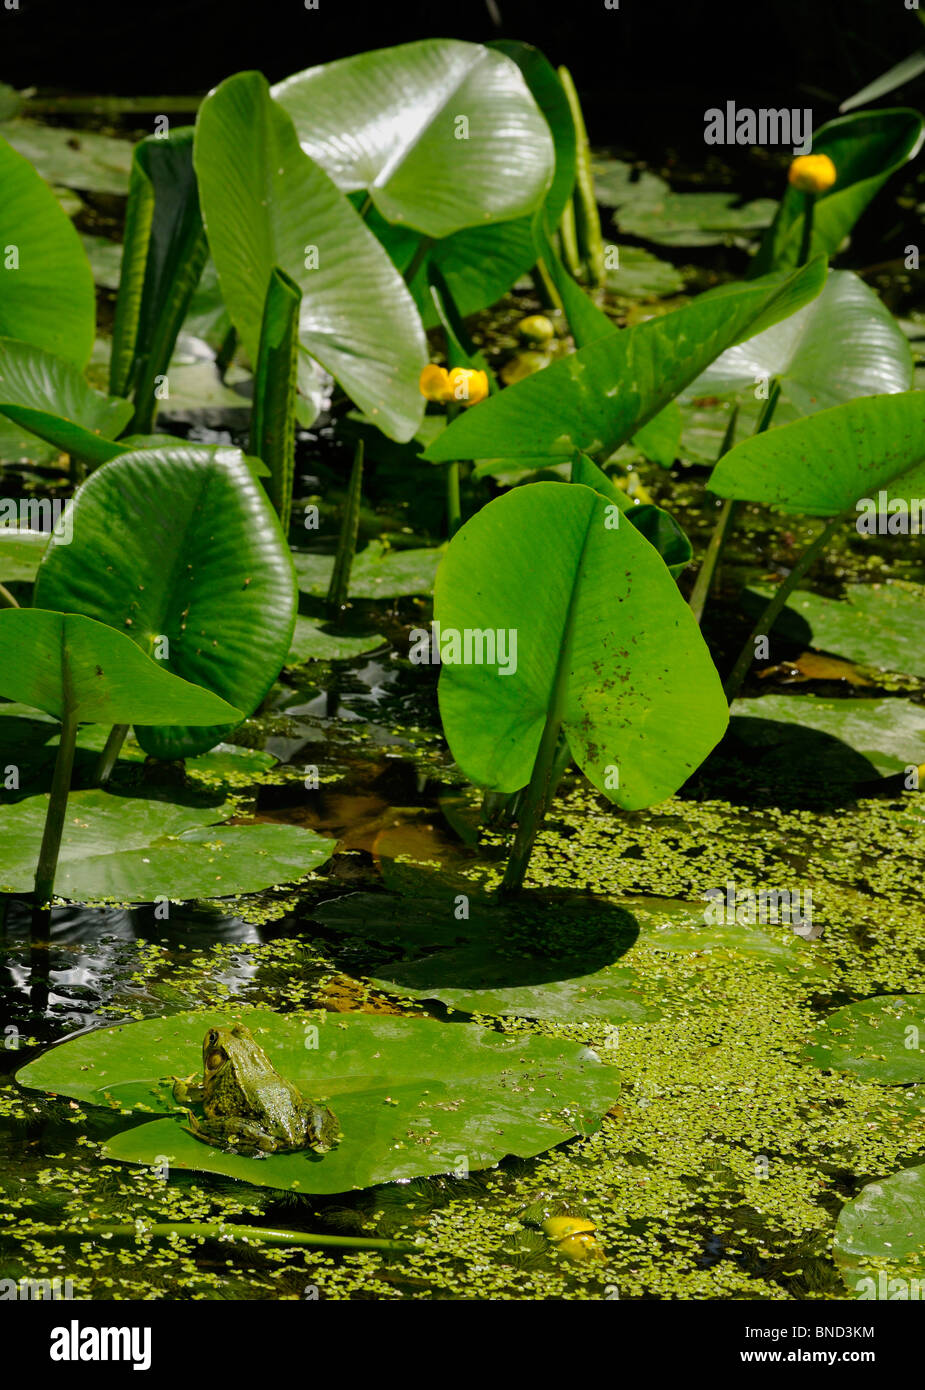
x=880 y=625
x=135 y=850
x=880 y=1039
x=413 y=1097
x=21 y=552
x=377 y=572
x=888 y=735
x=880 y=1238
x=641 y=275
x=310 y=642
x=695 y=219
x=73 y=158
x=670 y=925
x=537 y=959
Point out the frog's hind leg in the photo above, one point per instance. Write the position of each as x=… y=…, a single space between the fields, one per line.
x=236 y=1135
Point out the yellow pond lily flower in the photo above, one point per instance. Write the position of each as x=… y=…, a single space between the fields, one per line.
x=459 y=386
x=812 y=173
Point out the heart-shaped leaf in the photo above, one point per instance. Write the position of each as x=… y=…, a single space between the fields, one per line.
x=605 y=645
x=866 y=149
x=413 y=1097
x=266 y=204
x=181 y=544
x=46 y=285
x=49 y=396
x=132 y=850
x=880 y=1039
x=846 y=343
x=442 y=134
x=595 y=399
x=830 y=461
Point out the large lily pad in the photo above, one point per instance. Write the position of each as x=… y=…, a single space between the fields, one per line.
x=880 y=1039
x=311 y=641
x=413 y=1097
x=880 y=1238
x=135 y=850
x=82 y=159
x=694 y=219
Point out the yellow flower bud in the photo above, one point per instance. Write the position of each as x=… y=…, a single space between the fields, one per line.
x=812 y=173
x=536 y=328
x=433 y=382
x=466 y=386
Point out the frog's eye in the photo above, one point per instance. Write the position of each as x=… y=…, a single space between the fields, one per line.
x=213 y=1037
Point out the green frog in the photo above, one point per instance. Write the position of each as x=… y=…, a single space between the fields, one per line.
x=248 y=1106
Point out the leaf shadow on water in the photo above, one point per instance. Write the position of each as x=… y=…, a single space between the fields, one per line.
x=545 y=956
x=768 y=762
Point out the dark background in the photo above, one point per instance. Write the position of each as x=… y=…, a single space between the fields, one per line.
x=646 y=72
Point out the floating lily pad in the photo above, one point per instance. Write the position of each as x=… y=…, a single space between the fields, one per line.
x=616 y=183
x=856 y=738
x=74 y=158
x=880 y=625
x=681 y=926
x=641 y=275
x=880 y=1238
x=694 y=219
x=377 y=572
x=537 y=959
x=880 y=1039
x=310 y=642
x=413 y=1097
x=135 y=850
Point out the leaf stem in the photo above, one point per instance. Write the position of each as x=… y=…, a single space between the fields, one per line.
x=54 y=823
x=6 y=598
x=453 y=505
x=216 y=1230
x=807 y=234
x=110 y=754
x=417 y=260
x=783 y=591
x=339 y=586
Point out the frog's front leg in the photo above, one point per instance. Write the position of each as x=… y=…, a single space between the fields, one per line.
x=187 y=1089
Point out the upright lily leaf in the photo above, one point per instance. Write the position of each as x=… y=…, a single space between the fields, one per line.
x=442 y=134
x=207 y=584
x=866 y=149
x=63 y=663
x=846 y=343
x=597 y=398
x=273 y=417
x=605 y=646
x=828 y=462
x=411 y=1095
x=481 y=263
x=49 y=396
x=266 y=204
x=46 y=284
x=658 y=526
x=165 y=251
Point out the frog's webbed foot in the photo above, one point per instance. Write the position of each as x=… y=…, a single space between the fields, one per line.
x=186 y=1088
